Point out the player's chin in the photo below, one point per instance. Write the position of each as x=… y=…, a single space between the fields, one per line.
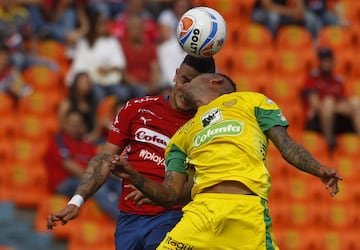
x=183 y=105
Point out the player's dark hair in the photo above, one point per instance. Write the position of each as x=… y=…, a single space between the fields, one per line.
x=202 y=65
x=233 y=84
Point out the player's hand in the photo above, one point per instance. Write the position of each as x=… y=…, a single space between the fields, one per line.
x=70 y=212
x=121 y=167
x=330 y=178
x=138 y=197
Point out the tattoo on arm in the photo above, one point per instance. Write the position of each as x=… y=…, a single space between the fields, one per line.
x=160 y=193
x=292 y=152
x=94 y=176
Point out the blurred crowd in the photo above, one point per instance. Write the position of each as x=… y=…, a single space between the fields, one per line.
x=91 y=56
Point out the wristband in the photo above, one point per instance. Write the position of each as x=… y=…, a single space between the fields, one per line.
x=76 y=200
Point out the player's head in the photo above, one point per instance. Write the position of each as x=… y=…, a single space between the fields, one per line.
x=206 y=87
x=189 y=68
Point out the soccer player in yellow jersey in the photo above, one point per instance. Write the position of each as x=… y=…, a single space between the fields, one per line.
x=224 y=148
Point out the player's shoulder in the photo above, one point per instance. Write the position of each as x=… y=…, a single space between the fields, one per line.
x=144 y=101
x=248 y=95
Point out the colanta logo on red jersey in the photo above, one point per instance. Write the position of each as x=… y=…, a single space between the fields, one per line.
x=152 y=137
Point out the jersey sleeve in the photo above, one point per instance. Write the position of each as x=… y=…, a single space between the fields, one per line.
x=268 y=114
x=120 y=131
x=175 y=154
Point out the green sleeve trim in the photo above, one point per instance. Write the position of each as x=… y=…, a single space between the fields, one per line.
x=175 y=160
x=268 y=118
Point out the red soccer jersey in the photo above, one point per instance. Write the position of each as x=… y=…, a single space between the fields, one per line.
x=145 y=125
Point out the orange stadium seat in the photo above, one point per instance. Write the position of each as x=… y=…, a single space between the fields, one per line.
x=233 y=9
x=23 y=184
x=293 y=64
x=352 y=86
x=25 y=151
x=42 y=78
x=293 y=37
x=255 y=36
x=345 y=62
x=252 y=61
x=314 y=142
x=53 y=50
x=225 y=60
x=340 y=240
x=348 y=144
x=90 y=235
x=335 y=37
x=292 y=239
x=39 y=103
x=347 y=165
x=250 y=82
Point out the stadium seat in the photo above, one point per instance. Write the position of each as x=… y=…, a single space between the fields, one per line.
x=25 y=150
x=352 y=85
x=252 y=61
x=314 y=142
x=53 y=50
x=234 y=9
x=250 y=82
x=255 y=36
x=347 y=165
x=340 y=240
x=291 y=63
x=345 y=62
x=90 y=235
x=42 y=78
x=39 y=103
x=7 y=104
x=292 y=239
x=225 y=60
x=335 y=37
x=25 y=185
x=293 y=37
x=348 y=144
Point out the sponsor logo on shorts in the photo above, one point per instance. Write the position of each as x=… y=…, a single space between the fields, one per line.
x=152 y=137
x=177 y=244
x=225 y=128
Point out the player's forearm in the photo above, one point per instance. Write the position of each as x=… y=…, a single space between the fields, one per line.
x=159 y=193
x=293 y=153
x=94 y=176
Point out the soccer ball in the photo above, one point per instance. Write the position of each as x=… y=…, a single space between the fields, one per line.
x=201 y=32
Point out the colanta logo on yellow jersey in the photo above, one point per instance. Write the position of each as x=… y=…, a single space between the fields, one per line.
x=224 y=128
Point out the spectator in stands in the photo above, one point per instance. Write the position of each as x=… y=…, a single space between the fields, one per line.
x=11 y=80
x=142 y=66
x=170 y=55
x=63 y=21
x=169 y=18
x=135 y=7
x=276 y=13
x=328 y=109
x=82 y=98
x=325 y=13
x=109 y=8
x=17 y=37
x=102 y=56
x=66 y=159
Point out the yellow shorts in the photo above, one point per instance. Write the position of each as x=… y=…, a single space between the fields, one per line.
x=222 y=222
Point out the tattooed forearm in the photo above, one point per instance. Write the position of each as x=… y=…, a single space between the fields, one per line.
x=162 y=194
x=292 y=152
x=94 y=176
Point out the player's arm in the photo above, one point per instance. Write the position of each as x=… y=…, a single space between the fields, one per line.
x=165 y=194
x=300 y=158
x=95 y=174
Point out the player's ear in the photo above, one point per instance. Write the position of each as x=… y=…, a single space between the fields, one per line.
x=217 y=80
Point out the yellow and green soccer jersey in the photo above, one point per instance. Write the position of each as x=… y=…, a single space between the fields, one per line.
x=225 y=141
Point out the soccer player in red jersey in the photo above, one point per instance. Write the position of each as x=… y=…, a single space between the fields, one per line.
x=142 y=128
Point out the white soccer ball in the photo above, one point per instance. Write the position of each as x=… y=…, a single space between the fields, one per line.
x=201 y=32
